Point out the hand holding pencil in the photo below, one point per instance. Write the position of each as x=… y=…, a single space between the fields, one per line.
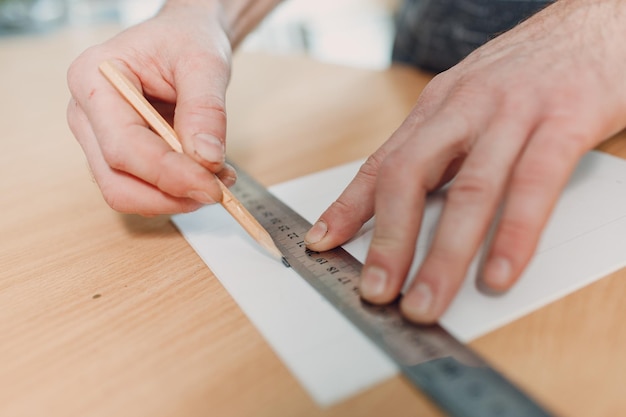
x=163 y=129
x=183 y=71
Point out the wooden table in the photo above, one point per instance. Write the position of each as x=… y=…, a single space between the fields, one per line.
x=103 y=314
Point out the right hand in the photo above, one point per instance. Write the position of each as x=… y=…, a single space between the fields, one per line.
x=509 y=123
x=181 y=61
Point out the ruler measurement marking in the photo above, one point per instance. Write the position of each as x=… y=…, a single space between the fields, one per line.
x=450 y=373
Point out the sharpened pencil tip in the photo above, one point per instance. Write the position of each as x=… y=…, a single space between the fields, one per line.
x=270 y=246
x=286 y=262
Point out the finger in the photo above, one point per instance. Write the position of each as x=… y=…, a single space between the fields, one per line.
x=128 y=145
x=355 y=205
x=228 y=175
x=200 y=118
x=403 y=182
x=536 y=183
x=171 y=172
x=349 y=212
x=470 y=206
x=122 y=192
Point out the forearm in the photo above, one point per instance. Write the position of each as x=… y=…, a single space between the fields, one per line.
x=238 y=17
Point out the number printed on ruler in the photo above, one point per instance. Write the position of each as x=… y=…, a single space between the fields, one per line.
x=450 y=373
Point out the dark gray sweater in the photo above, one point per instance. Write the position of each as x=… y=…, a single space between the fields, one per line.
x=436 y=34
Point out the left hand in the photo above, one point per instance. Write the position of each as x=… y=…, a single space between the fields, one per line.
x=509 y=123
x=181 y=61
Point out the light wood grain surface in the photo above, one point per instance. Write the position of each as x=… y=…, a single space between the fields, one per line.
x=103 y=314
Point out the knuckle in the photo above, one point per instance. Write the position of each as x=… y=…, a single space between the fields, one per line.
x=161 y=176
x=515 y=233
x=389 y=242
x=442 y=81
x=445 y=265
x=348 y=209
x=471 y=189
x=342 y=208
x=370 y=168
x=200 y=105
x=528 y=179
x=466 y=127
x=113 y=154
x=574 y=144
x=76 y=70
x=563 y=137
x=441 y=257
x=389 y=164
x=114 y=199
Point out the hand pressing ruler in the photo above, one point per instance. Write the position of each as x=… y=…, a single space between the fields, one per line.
x=455 y=378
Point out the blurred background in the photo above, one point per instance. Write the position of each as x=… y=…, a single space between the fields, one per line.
x=348 y=32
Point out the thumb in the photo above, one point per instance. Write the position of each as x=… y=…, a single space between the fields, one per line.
x=200 y=117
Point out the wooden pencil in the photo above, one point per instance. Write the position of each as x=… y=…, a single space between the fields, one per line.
x=163 y=129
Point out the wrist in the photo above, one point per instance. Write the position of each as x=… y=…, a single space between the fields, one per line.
x=237 y=17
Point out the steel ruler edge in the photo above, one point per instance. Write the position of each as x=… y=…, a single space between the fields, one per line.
x=455 y=378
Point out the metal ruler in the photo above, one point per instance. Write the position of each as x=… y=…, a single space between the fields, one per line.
x=453 y=376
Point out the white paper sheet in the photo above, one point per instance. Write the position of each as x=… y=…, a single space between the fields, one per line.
x=584 y=241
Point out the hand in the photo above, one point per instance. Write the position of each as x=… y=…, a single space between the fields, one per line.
x=509 y=124
x=181 y=61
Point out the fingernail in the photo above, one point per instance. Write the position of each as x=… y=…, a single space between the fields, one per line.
x=229 y=181
x=419 y=300
x=497 y=272
x=201 y=196
x=316 y=233
x=209 y=147
x=373 y=282
x=228 y=176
